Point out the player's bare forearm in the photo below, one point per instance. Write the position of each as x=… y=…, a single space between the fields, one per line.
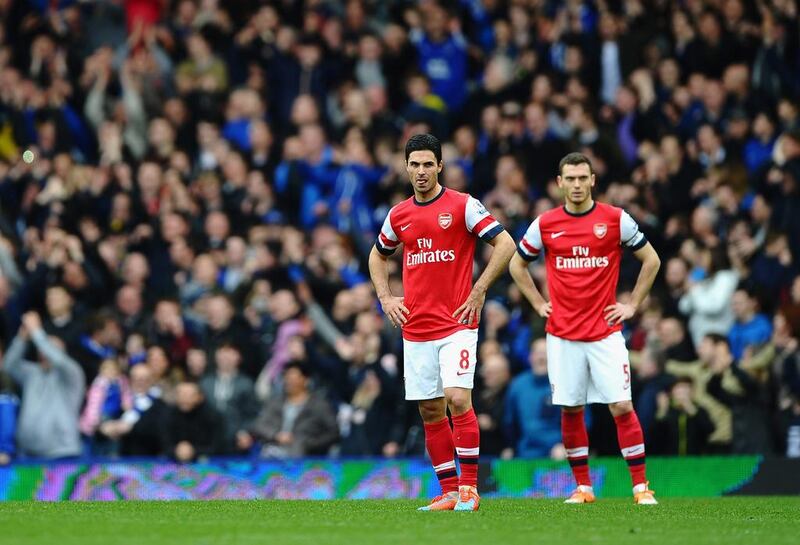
x=379 y=273
x=504 y=248
x=647 y=275
x=470 y=310
x=522 y=278
x=619 y=312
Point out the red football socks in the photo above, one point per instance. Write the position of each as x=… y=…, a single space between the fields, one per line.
x=466 y=435
x=439 y=442
x=631 y=444
x=576 y=443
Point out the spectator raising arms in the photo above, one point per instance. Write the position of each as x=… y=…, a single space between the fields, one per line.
x=52 y=393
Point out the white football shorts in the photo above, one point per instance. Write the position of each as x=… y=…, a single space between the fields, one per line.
x=432 y=366
x=588 y=372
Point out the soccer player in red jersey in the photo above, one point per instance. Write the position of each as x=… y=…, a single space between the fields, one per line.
x=586 y=355
x=439 y=311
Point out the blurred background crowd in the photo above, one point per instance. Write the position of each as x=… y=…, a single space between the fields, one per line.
x=189 y=190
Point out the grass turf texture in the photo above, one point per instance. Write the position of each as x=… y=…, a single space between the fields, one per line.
x=763 y=521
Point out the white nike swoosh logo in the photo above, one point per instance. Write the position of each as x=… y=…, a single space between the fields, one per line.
x=404 y=227
x=556 y=235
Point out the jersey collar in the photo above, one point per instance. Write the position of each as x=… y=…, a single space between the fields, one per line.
x=433 y=200
x=579 y=214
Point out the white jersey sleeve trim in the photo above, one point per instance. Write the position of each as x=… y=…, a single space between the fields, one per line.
x=630 y=236
x=387 y=241
x=530 y=245
x=488 y=228
x=474 y=213
x=479 y=221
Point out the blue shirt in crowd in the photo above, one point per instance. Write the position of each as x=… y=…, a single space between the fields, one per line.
x=532 y=422
x=354 y=184
x=755 y=332
x=445 y=65
x=757 y=154
x=9 y=409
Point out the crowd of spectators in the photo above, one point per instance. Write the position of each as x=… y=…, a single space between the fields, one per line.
x=189 y=191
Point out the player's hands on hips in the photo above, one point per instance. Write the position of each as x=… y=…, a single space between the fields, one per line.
x=471 y=309
x=618 y=313
x=544 y=309
x=394 y=308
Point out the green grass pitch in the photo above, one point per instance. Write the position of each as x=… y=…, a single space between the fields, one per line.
x=762 y=521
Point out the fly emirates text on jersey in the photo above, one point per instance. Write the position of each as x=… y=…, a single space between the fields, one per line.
x=581 y=260
x=427 y=254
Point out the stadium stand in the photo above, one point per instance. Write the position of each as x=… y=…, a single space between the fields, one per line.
x=185 y=182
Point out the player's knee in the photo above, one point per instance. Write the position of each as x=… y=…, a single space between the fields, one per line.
x=575 y=409
x=432 y=410
x=459 y=401
x=620 y=407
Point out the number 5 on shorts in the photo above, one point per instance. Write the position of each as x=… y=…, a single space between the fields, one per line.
x=627 y=371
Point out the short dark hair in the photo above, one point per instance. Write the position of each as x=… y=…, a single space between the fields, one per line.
x=793 y=133
x=228 y=343
x=99 y=320
x=574 y=158
x=300 y=366
x=686 y=379
x=716 y=338
x=748 y=291
x=219 y=294
x=719 y=261
x=713 y=128
x=421 y=142
x=168 y=300
x=60 y=286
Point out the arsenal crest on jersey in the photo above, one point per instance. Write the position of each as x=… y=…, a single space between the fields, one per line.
x=445 y=220
x=600 y=230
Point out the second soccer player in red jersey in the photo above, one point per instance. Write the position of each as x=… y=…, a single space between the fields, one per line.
x=440 y=311
x=587 y=360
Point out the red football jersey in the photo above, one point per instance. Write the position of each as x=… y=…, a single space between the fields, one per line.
x=438 y=240
x=582 y=255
